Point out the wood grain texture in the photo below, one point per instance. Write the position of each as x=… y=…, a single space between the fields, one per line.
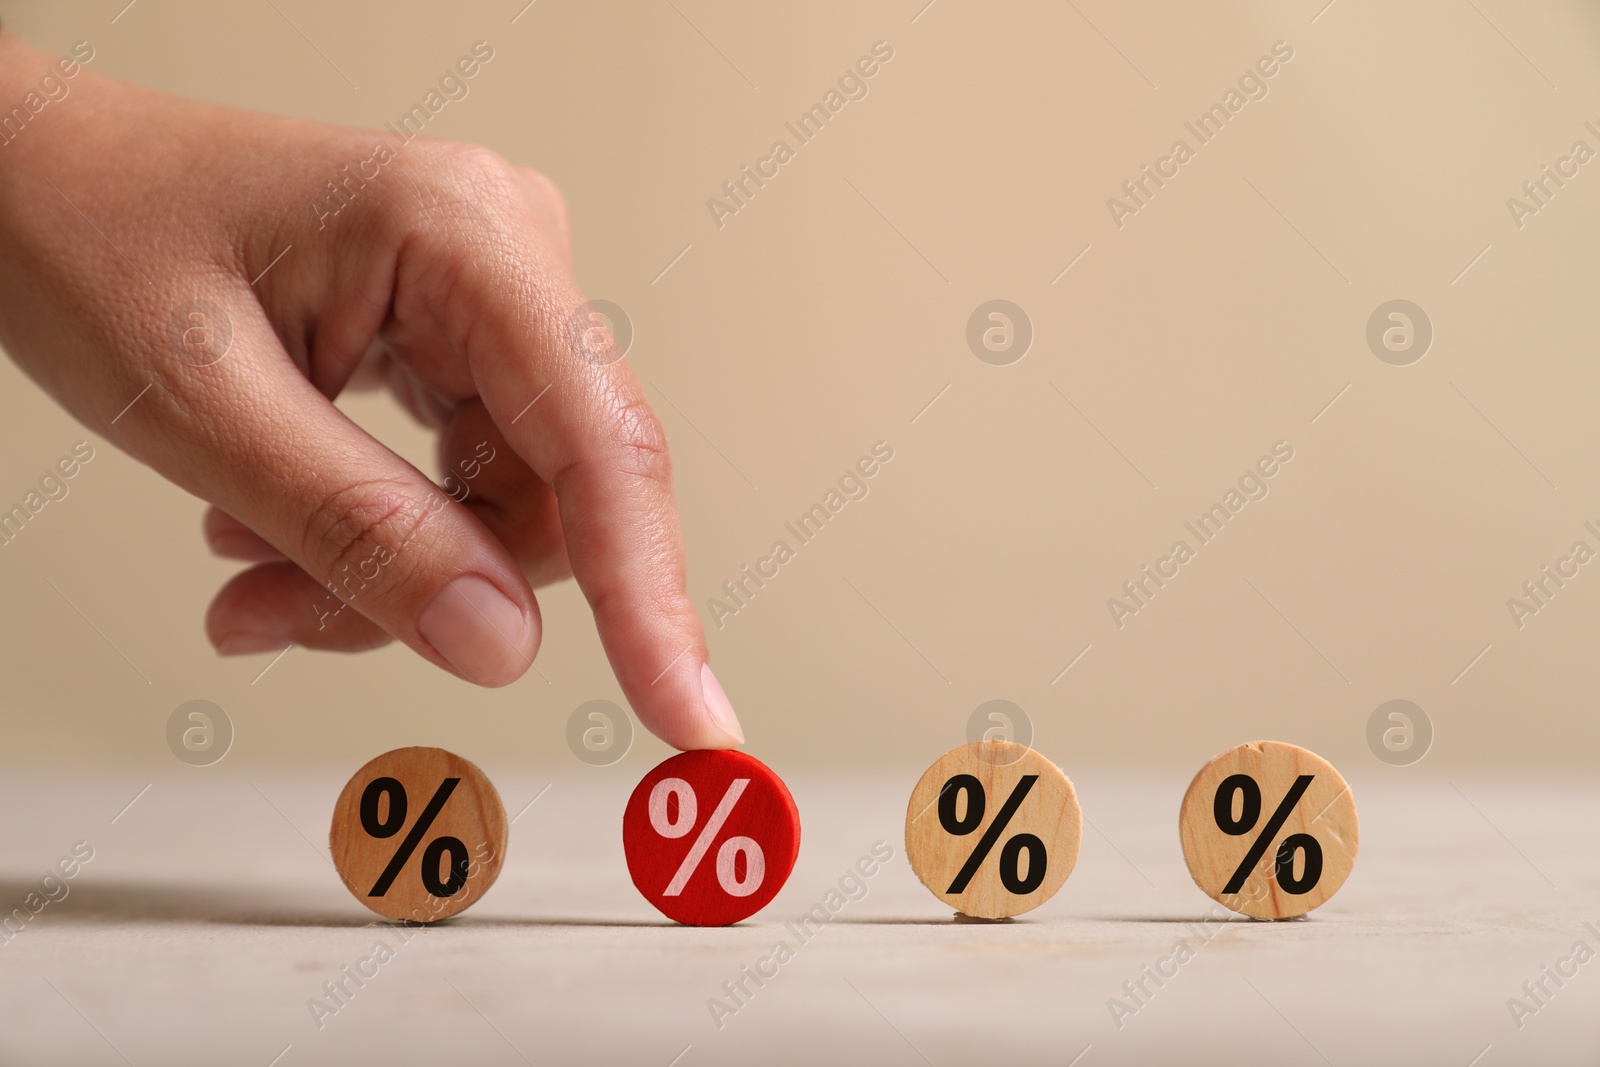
x=1049 y=812
x=1326 y=811
x=472 y=814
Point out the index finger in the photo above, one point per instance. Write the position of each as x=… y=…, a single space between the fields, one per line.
x=580 y=420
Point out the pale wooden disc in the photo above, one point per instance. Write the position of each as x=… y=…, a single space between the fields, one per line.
x=1325 y=812
x=472 y=815
x=1049 y=812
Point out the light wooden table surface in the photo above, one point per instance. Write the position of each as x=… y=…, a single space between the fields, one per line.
x=209 y=917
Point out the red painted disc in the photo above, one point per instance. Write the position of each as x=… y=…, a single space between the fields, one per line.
x=710 y=837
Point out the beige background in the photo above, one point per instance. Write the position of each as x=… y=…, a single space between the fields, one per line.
x=827 y=314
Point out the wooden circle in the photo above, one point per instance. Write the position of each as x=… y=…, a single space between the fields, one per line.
x=981 y=817
x=418 y=834
x=710 y=837
x=1235 y=801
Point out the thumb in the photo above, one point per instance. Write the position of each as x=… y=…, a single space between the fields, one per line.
x=252 y=435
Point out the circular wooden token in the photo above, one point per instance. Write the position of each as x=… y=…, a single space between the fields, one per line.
x=710 y=837
x=418 y=834
x=993 y=829
x=1269 y=830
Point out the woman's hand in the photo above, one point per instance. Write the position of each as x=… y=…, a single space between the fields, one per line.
x=197 y=283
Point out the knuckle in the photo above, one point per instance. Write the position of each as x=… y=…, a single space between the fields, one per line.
x=540 y=185
x=472 y=169
x=453 y=183
x=640 y=442
x=662 y=596
x=550 y=208
x=358 y=529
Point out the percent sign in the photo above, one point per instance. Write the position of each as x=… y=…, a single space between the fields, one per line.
x=1248 y=790
x=670 y=792
x=1294 y=861
x=1039 y=822
x=754 y=830
x=374 y=809
x=385 y=826
x=1010 y=868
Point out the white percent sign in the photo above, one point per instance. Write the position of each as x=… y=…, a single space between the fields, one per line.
x=662 y=821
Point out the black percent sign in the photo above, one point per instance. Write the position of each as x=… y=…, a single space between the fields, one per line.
x=389 y=824
x=1249 y=792
x=960 y=825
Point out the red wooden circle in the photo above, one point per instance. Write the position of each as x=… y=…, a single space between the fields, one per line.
x=692 y=869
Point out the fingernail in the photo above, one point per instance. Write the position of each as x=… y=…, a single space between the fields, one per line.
x=482 y=633
x=242 y=547
x=718 y=708
x=248 y=644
